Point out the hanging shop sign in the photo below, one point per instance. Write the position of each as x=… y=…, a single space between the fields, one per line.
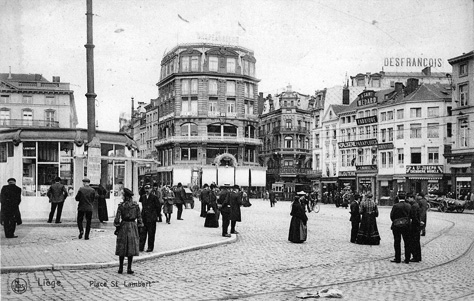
x=382 y=146
x=366 y=120
x=366 y=167
x=347 y=173
x=422 y=169
x=358 y=143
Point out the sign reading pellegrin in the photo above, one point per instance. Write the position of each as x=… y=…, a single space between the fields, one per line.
x=422 y=169
x=357 y=143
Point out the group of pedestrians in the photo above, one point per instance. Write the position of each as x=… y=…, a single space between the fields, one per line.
x=225 y=202
x=363 y=220
x=408 y=223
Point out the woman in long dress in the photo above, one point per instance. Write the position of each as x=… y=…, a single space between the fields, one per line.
x=298 y=232
x=128 y=213
x=212 y=216
x=368 y=232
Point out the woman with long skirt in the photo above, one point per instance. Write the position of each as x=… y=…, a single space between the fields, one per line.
x=368 y=232
x=128 y=213
x=298 y=230
x=212 y=214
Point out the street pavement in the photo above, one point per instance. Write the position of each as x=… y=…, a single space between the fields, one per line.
x=263 y=265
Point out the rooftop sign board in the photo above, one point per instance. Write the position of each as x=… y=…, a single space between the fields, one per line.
x=423 y=169
x=412 y=62
x=366 y=98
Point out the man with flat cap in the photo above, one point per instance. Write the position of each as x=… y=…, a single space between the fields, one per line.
x=10 y=197
x=151 y=209
x=57 y=193
x=86 y=197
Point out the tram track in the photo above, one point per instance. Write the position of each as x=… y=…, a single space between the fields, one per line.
x=438 y=235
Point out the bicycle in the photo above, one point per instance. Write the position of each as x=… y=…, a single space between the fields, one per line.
x=314 y=206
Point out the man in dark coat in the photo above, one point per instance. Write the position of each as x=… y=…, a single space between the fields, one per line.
x=423 y=203
x=57 y=193
x=102 y=203
x=204 y=197
x=235 y=201
x=355 y=217
x=415 y=246
x=271 y=196
x=85 y=196
x=179 y=198
x=224 y=208
x=10 y=197
x=157 y=191
x=150 y=212
x=401 y=210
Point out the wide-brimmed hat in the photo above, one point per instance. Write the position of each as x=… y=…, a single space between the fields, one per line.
x=127 y=192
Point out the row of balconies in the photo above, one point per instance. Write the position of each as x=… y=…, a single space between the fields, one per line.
x=285 y=130
x=208 y=139
x=294 y=171
x=11 y=123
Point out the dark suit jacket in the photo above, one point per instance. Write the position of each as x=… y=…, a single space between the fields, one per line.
x=57 y=193
x=150 y=208
x=355 y=215
x=399 y=210
x=10 y=197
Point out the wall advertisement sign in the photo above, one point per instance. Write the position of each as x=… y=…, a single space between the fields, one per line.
x=424 y=169
x=358 y=143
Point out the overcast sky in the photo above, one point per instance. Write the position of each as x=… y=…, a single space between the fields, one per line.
x=308 y=44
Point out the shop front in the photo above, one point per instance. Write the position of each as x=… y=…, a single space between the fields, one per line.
x=366 y=179
x=34 y=157
x=425 y=178
x=347 y=181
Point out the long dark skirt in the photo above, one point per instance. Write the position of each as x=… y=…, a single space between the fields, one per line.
x=102 y=210
x=368 y=233
x=127 y=240
x=297 y=232
x=211 y=221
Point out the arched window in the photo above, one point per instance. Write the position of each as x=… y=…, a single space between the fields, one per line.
x=288 y=142
x=189 y=129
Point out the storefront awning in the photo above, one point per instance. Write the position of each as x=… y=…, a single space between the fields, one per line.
x=463 y=179
x=242 y=176
x=225 y=175
x=182 y=175
x=425 y=177
x=209 y=175
x=258 y=177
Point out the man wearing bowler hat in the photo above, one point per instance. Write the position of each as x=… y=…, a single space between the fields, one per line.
x=85 y=196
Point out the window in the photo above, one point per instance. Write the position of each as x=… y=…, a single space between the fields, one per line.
x=401 y=156
x=184 y=86
x=188 y=153
x=361 y=157
x=194 y=63
x=415 y=155
x=367 y=131
x=349 y=159
x=213 y=63
x=449 y=129
x=383 y=136
x=383 y=116
x=415 y=112
x=463 y=133
x=194 y=105
x=230 y=91
x=390 y=159
x=400 y=130
x=375 y=82
x=384 y=159
x=4 y=98
x=230 y=65
x=288 y=124
x=213 y=87
x=194 y=86
x=50 y=100
x=343 y=120
x=248 y=107
x=433 y=155
x=390 y=134
x=433 y=111
x=390 y=115
x=360 y=82
x=433 y=130
x=288 y=142
x=415 y=130
x=185 y=63
x=374 y=131
x=463 y=69
x=343 y=158
x=316 y=141
x=4 y=117
x=184 y=105
x=463 y=95
x=27 y=99
x=49 y=117
x=348 y=119
x=27 y=117
x=343 y=135
x=361 y=133
x=400 y=113
x=231 y=106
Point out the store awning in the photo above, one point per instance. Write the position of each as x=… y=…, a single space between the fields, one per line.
x=182 y=175
x=225 y=175
x=425 y=177
x=209 y=175
x=242 y=176
x=463 y=179
x=258 y=177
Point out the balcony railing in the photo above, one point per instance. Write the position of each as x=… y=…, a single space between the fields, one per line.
x=293 y=171
x=295 y=129
x=11 y=123
x=207 y=139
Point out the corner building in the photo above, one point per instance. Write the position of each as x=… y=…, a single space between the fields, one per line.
x=207 y=117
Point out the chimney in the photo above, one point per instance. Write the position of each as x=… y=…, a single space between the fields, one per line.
x=56 y=79
x=399 y=87
x=10 y=72
x=261 y=103
x=345 y=96
x=426 y=71
x=412 y=85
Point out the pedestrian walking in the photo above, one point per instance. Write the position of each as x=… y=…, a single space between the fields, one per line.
x=235 y=201
x=102 y=204
x=355 y=217
x=179 y=198
x=225 y=210
x=368 y=232
x=204 y=199
x=400 y=217
x=150 y=212
x=168 y=198
x=10 y=199
x=272 y=198
x=212 y=214
x=298 y=228
x=423 y=203
x=57 y=194
x=85 y=198
x=415 y=227
x=266 y=195
x=128 y=213
x=157 y=191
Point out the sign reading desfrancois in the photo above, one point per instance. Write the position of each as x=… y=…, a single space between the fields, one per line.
x=422 y=169
x=412 y=62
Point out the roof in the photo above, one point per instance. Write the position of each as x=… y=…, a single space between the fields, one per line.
x=22 y=77
x=424 y=92
x=414 y=74
x=461 y=57
x=34 y=83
